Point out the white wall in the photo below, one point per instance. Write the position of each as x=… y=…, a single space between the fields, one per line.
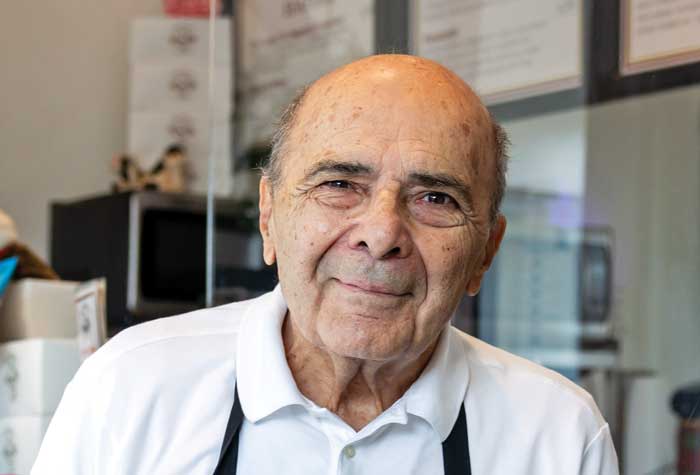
x=63 y=102
x=548 y=152
x=643 y=179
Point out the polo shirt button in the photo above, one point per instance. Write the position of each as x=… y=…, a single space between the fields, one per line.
x=349 y=451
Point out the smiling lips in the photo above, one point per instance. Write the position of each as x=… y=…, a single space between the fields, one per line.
x=372 y=288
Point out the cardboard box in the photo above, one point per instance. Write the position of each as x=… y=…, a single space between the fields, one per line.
x=20 y=440
x=34 y=374
x=36 y=308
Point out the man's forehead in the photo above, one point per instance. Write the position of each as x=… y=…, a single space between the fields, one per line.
x=428 y=114
x=392 y=94
x=405 y=134
x=409 y=77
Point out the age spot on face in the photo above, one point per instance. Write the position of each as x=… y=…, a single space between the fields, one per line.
x=466 y=129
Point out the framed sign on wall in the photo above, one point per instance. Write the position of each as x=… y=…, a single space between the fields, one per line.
x=506 y=50
x=658 y=35
x=640 y=46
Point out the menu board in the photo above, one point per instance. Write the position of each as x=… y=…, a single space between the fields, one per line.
x=285 y=45
x=505 y=49
x=659 y=34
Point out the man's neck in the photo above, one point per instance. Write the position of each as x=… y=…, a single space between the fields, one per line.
x=354 y=389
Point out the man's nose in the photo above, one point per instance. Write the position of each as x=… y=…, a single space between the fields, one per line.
x=381 y=230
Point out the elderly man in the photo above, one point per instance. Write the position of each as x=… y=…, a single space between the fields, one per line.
x=380 y=207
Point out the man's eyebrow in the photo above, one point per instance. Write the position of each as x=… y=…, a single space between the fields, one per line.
x=441 y=180
x=340 y=167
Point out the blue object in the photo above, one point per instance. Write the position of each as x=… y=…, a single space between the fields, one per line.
x=7 y=268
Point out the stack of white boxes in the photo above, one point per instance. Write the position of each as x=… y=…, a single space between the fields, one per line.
x=169 y=95
x=35 y=367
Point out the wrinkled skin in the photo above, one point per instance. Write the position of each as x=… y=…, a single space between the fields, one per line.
x=379 y=224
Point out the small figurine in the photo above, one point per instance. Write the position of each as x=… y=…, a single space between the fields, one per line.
x=129 y=174
x=169 y=175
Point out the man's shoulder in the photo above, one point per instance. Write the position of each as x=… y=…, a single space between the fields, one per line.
x=518 y=378
x=203 y=332
x=134 y=387
x=542 y=419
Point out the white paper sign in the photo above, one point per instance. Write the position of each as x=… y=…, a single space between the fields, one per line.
x=285 y=45
x=658 y=34
x=505 y=49
x=90 y=305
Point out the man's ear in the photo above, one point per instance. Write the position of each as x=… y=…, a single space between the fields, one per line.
x=266 y=221
x=495 y=237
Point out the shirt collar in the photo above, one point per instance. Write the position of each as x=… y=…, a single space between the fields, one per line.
x=263 y=378
x=438 y=394
x=265 y=382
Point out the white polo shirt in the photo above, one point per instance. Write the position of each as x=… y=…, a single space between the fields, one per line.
x=157 y=397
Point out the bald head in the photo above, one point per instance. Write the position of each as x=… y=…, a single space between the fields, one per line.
x=394 y=90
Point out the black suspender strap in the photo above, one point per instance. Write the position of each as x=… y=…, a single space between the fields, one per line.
x=228 y=459
x=455 y=449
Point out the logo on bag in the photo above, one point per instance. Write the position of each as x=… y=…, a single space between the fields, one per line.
x=85 y=325
x=9 y=449
x=10 y=375
x=181 y=128
x=183 y=83
x=182 y=38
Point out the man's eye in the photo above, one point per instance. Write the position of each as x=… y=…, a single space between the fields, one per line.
x=341 y=184
x=437 y=209
x=437 y=198
x=339 y=194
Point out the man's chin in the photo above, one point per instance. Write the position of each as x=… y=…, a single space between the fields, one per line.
x=366 y=336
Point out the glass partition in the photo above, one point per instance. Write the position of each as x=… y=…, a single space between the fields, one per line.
x=596 y=275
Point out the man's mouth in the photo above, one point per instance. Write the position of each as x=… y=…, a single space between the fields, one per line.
x=372 y=288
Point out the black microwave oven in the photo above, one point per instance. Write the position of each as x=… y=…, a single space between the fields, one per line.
x=151 y=247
